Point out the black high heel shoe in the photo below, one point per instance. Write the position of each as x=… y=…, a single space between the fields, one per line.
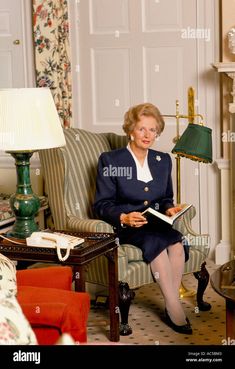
x=184 y=329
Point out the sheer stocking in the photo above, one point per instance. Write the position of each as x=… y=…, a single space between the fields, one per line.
x=176 y=259
x=165 y=275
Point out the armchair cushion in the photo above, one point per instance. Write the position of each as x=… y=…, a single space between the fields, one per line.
x=133 y=253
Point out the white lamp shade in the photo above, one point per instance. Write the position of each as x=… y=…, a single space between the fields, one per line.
x=29 y=120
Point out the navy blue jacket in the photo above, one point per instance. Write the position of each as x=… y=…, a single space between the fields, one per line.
x=118 y=190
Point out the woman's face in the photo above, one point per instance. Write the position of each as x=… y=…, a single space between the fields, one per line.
x=145 y=132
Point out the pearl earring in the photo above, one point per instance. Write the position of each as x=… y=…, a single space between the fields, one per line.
x=132 y=138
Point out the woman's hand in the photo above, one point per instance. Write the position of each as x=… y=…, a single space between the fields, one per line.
x=173 y=211
x=133 y=219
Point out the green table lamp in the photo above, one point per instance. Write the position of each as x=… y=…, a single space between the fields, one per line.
x=195 y=142
x=28 y=122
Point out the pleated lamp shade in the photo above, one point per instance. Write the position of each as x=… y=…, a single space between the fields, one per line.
x=195 y=143
x=29 y=120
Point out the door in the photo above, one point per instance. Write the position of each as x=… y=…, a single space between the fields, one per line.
x=132 y=51
x=12 y=71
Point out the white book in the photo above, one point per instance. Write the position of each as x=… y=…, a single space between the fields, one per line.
x=166 y=218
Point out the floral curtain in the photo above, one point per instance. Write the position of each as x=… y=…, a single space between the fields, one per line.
x=52 y=53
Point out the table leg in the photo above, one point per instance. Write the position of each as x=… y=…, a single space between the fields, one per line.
x=230 y=319
x=113 y=295
x=79 y=278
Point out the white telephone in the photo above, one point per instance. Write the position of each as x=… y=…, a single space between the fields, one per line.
x=55 y=240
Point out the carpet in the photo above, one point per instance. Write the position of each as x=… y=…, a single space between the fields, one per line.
x=147 y=313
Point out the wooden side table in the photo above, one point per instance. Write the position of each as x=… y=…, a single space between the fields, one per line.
x=223 y=282
x=78 y=259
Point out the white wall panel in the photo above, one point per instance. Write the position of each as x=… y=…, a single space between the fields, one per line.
x=110 y=81
x=6 y=77
x=4 y=23
x=115 y=18
x=162 y=77
x=161 y=15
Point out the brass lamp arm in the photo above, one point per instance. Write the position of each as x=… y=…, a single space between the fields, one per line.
x=181 y=116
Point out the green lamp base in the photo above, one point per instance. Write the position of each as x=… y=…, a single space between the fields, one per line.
x=24 y=203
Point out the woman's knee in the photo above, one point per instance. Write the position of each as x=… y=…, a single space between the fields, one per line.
x=176 y=249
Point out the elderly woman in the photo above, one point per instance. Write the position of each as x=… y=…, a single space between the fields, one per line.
x=129 y=181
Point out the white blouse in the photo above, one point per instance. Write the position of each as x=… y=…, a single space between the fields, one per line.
x=143 y=172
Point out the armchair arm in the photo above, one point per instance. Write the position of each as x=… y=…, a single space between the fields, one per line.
x=184 y=225
x=88 y=225
x=196 y=240
x=52 y=277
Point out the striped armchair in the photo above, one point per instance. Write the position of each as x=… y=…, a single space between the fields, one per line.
x=70 y=180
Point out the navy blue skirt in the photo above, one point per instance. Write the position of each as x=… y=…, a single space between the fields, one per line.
x=152 y=239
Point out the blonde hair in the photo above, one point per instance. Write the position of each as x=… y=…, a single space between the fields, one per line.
x=132 y=116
